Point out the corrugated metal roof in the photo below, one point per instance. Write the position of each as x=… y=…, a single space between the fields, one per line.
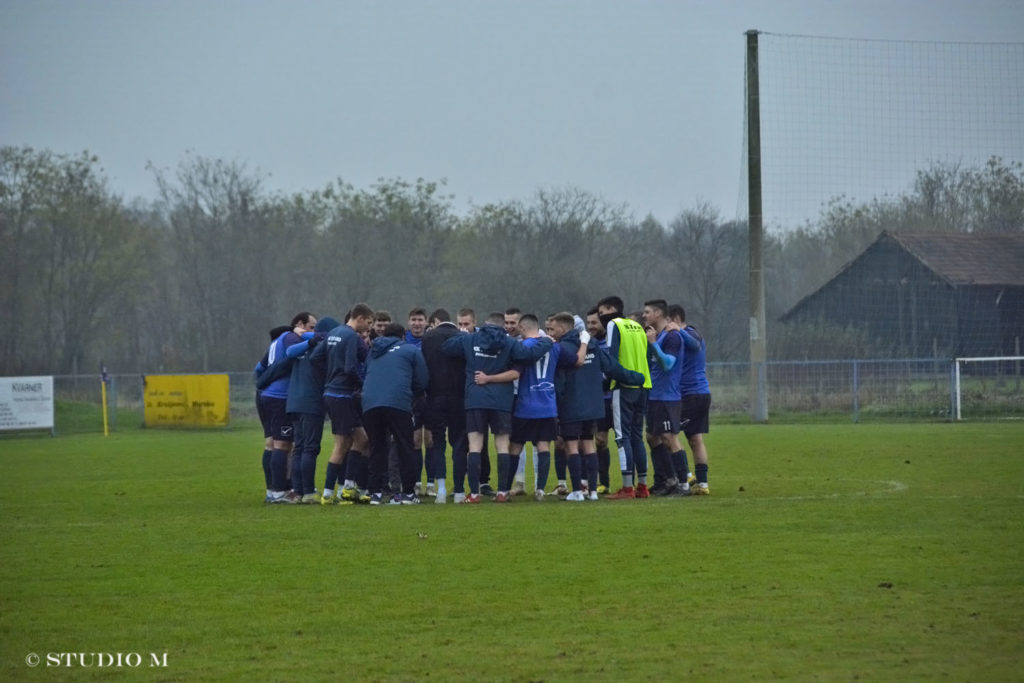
x=968 y=258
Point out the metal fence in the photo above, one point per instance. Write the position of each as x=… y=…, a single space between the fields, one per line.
x=842 y=390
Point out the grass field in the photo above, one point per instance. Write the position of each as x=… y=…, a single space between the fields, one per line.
x=825 y=552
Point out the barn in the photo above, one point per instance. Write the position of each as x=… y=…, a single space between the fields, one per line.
x=929 y=294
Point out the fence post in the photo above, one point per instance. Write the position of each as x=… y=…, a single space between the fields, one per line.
x=856 y=393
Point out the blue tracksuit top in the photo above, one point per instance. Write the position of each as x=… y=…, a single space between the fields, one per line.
x=536 y=396
x=395 y=372
x=491 y=351
x=278 y=365
x=694 y=379
x=581 y=389
x=665 y=383
x=343 y=354
x=306 y=391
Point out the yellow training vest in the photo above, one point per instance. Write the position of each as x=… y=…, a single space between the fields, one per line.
x=633 y=348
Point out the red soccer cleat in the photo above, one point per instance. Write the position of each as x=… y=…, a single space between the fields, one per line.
x=642 y=491
x=626 y=492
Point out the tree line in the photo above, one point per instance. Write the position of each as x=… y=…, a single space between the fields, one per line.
x=192 y=281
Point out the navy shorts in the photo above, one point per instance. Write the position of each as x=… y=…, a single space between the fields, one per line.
x=263 y=418
x=662 y=417
x=346 y=414
x=694 y=414
x=527 y=430
x=278 y=419
x=498 y=421
x=577 y=431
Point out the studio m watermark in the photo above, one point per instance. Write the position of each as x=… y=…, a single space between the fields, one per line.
x=97 y=660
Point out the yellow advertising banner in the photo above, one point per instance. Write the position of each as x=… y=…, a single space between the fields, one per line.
x=186 y=401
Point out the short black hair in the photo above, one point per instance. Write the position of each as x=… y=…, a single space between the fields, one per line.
x=394 y=330
x=659 y=304
x=614 y=302
x=530 y=319
x=677 y=311
x=496 y=318
x=441 y=315
x=279 y=330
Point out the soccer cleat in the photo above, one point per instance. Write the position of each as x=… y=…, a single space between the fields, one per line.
x=602 y=489
x=625 y=493
x=665 y=488
x=459 y=498
x=575 y=497
x=431 y=489
x=518 y=488
x=700 y=490
x=418 y=488
x=350 y=494
x=538 y=495
x=642 y=491
x=396 y=499
x=560 y=491
x=502 y=497
x=441 y=498
x=377 y=499
x=410 y=499
x=327 y=498
x=593 y=496
x=691 y=479
x=309 y=498
x=283 y=498
x=486 y=490
x=472 y=498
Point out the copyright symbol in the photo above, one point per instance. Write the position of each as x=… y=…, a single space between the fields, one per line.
x=32 y=659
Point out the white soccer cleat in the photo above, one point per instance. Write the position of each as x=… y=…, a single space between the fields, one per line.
x=459 y=498
x=538 y=495
x=575 y=497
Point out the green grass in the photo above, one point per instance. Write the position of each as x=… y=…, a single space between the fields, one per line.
x=825 y=552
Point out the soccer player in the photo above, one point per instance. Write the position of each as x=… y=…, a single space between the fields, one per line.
x=274 y=382
x=417 y=325
x=445 y=409
x=306 y=410
x=665 y=356
x=341 y=353
x=466 y=319
x=627 y=343
x=395 y=373
x=535 y=417
x=580 y=390
x=489 y=406
x=696 y=399
x=512 y=315
x=268 y=439
x=381 y=319
x=596 y=331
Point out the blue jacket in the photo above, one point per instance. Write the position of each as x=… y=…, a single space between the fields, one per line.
x=306 y=390
x=491 y=351
x=395 y=372
x=536 y=395
x=342 y=355
x=665 y=383
x=580 y=389
x=694 y=379
x=273 y=372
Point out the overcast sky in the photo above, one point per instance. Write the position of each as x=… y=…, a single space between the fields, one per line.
x=639 y=102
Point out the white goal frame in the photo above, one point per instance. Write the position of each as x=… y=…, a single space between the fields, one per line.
x=956 y=376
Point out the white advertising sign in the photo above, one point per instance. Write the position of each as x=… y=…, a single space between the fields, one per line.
x=26 y=403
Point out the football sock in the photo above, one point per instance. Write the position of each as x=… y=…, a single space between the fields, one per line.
x=266 y=467
x=279 y=470
x=590 y=467
x=543 y=466
x=559 y=464
x=575 y=475
x=682 y=468
x=516 y=459
x=473 y=470
x=662 y=465
x=504 y=475
x=627 y=480
x=604 y=464
x=702 y=473
x=331 y=480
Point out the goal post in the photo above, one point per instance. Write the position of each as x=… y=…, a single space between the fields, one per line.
x=994 y=383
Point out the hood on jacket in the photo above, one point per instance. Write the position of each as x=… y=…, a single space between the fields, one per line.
x=326 y=324
x=492 y=338
x=572 y=338
x=382 y=345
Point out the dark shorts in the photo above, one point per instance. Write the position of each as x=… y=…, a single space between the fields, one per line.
x=346 y=414
x=445 y=412
x=694 y=413
x=498 y=421
x=577 y=431
x=663 y=417
x=278 y=419
x=525 y=430
x=262 y=415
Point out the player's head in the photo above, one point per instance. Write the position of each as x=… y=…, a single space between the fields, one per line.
x=594 y=326
x=559 y=324
x=380 y=321
x=609 y=308
x=529 y=326
x=655 y=312
x=676 y=314
x=417 y=321
x=495 y=318
x=303 y=322
x=439 y=316
x=466 y=319
x=394 y=330
x=360 y=318
x=279 y=330
x=511 y=320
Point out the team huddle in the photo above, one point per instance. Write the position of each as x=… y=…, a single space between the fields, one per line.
x=399 y=397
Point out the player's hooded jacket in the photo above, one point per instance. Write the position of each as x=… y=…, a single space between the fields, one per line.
x=491 y=351
x=343 y=356
x=395 y=372
x=694 y=379
x=580 y=389
x=306 y=390
x=273 y=373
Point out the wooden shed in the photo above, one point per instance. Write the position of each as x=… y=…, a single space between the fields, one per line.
x=951 y=294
